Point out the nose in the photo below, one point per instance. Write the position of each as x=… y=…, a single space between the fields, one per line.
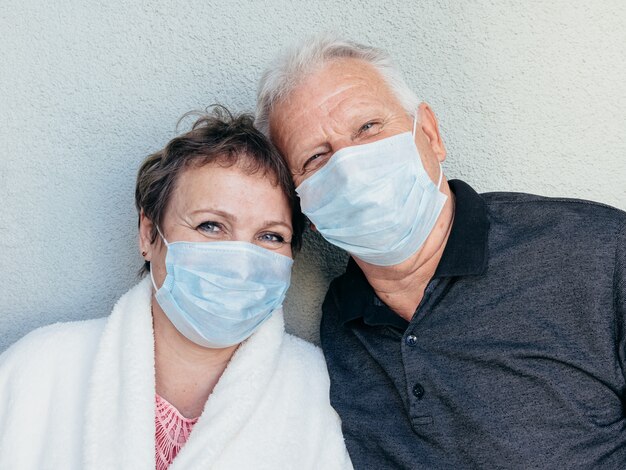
x=340 y=143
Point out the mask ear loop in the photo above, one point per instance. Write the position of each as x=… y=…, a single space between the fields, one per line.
x=151 y=275
x=440 y=167
x=160 y=233
x=440 y=176
x=152 y=279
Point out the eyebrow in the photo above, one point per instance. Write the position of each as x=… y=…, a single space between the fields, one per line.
x=233 y=217
x=270 y=223
x=226 y=215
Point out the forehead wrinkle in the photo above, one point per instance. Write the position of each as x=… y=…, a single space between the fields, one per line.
x=325 y=104
x=329 y=101
x=343 y=106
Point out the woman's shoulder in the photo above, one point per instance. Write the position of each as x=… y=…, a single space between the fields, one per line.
x=65 y=341
x=302 y=389
x=303 y=350
x=59 y=335
x=304 y=361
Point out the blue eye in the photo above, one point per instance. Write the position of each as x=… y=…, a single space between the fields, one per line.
x=210 y=227
x=311 y=160
x=272 y=237
x=315 y=162
x=372 y=127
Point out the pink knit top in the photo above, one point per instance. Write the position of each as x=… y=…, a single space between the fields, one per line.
x=172 y=431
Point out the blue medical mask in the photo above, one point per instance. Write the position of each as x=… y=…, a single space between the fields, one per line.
x=218 y=293
x=375 y=201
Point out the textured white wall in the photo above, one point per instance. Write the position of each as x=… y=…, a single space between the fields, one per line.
x=531 y=96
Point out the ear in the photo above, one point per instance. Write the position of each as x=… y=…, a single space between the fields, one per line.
x=312 y=226
x=427 y=121
x=145 y=236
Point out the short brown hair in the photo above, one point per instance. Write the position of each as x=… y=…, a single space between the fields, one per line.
x=216 y=136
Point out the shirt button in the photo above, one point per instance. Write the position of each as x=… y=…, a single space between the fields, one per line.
x=418 y=391
x=411 y=340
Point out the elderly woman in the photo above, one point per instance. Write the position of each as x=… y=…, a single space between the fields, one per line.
x=193 y=367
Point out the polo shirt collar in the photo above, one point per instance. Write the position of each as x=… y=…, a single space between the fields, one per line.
x=466 y=249
x=465 y=254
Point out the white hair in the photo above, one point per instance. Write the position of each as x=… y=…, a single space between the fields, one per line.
x=289 y=69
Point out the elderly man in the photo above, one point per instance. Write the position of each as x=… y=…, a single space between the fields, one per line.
x=469 y=330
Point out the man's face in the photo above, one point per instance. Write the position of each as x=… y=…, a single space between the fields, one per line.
x=345 y=103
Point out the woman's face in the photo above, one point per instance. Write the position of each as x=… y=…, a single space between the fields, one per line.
x=212 y=203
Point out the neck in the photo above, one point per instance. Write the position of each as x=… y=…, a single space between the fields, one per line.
x=401 y=287
x=186 y=373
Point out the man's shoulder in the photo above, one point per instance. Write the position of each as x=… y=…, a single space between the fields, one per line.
x=534 y=202
x=580 y=217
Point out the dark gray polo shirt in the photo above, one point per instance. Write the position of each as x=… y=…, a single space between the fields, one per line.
x=514 y=358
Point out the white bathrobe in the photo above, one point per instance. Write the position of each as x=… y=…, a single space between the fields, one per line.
x=80 y=395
